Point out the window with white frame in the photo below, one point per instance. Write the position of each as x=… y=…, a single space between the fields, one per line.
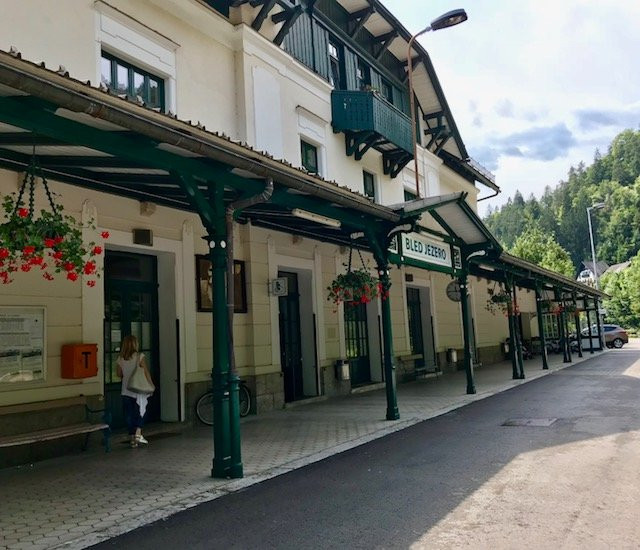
x=134 y=60
x=369 y=185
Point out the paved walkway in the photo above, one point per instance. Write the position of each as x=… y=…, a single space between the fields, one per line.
x=76 y=501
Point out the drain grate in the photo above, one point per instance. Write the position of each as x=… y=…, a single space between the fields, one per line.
x=537 y=422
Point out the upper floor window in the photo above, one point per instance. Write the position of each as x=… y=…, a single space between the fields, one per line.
x=126 y=79
x=369 y=185
x=309 y=154
x=409 y=196
x=363 y=75
x=336 y=65
x=387 y=91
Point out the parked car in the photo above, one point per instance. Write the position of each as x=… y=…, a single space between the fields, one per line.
x=614 y=336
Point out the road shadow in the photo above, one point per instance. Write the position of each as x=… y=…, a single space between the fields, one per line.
x=368 y=497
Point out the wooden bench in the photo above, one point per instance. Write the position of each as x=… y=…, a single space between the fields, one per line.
x=82 y=428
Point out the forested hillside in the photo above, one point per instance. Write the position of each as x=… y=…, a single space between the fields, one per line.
x=561 y=213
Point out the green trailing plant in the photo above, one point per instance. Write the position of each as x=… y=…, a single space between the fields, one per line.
x=49 y=241
x=501 y=301
x=355 y=287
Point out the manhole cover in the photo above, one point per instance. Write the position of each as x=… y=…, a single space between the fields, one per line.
x=540 y=422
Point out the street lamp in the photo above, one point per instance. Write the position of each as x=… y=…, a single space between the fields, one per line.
x=596 y=206
x=446 y=20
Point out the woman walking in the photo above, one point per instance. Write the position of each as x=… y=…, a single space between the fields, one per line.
x=135 y=404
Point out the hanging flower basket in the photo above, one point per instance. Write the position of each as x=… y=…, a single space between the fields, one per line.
x=50 y=241
x=501 y=302
x=570 y=308
x=356 y=287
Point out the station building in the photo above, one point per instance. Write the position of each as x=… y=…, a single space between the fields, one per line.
x=160 y=122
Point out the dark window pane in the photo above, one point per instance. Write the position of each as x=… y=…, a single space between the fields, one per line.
x=154 y=93
x=123 y=80
x=132 y=81
x=409 y=196
x=105 y=72
x=369 y=185
x=387 y=91
x=309 y=157
x=138 y=85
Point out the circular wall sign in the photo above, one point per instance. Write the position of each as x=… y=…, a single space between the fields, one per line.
x=453 y=291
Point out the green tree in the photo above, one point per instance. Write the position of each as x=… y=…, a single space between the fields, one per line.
x=541 y=248
x=623 y=287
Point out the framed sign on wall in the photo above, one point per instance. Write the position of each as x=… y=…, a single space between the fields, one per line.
x=204 y=285
x=22 y=344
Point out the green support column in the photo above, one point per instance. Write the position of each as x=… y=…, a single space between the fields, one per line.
x=587 y=310
x=226 y=431
x=387 y=341
x=512 y=338
x=543 y=339
x=576 y=317
x=564 y=337
x=466 y=333
x=567 y=333
x=518 y=335
x=596 y=305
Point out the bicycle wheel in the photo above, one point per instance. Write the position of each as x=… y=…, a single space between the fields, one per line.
x=204 y=409
x=244 y=396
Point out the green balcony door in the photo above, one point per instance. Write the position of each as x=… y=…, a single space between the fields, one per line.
x=357 y=342
x=291 y=339
x=416 y=339
x=131 y=307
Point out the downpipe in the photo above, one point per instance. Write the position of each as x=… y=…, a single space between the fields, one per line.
x=234 y=380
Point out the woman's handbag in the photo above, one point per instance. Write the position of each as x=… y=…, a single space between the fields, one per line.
x=138 y=382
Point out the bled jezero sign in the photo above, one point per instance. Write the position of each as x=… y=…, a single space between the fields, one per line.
x=420 y=247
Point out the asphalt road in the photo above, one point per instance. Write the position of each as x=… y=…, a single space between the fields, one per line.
x=463 y=480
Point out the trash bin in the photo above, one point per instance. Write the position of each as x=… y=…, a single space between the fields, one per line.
x=342 y=370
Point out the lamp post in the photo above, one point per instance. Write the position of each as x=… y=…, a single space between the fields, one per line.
x=446 y=20
x=596 y=206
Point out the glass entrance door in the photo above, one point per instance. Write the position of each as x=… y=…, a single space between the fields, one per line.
x=131 y=307
x=357 y=341
x=416 y=339
x=290 y=339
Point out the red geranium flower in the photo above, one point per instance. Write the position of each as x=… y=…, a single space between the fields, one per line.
x=28 y=250
x=72 y=276
x=4 y=253
x=69 y=266
x=23 y=212
x=49 y=243
x=97 y=250
x=105 y=234
x=48 y=276
x=91 y=283
x=57 y=254
x=25 y=267
x=89 y=268
x=58 y=240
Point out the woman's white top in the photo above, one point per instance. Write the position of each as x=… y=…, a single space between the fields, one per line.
x=128 y=366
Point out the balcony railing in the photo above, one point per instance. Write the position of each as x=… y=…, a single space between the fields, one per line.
x=367 y=121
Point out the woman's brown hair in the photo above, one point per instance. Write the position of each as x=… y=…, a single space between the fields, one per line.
x=128 y=347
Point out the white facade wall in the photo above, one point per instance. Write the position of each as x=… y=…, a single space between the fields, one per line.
x=237 y=82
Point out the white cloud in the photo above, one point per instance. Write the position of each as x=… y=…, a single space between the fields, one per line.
x=514 y=67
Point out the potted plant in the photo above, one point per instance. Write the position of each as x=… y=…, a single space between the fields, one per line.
x=356 y=287
x=50 y=241
x=501 y=301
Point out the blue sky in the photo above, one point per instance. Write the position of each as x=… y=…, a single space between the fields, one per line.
x=535 y=86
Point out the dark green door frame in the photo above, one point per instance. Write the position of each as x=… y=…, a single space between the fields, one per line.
x=467 y=332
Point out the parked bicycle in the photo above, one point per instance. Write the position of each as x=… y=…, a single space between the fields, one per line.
x=204 y=405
